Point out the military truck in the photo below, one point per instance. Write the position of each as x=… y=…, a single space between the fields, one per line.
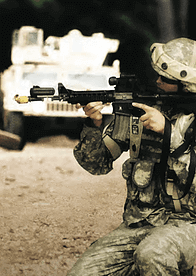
x=75 y=60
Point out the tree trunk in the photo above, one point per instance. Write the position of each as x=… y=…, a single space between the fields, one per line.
x=172 y=18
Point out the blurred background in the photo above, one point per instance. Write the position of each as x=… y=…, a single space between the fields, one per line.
x=51 y=209
x=136 y=24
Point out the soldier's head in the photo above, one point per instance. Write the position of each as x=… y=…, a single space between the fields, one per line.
x=175 y=63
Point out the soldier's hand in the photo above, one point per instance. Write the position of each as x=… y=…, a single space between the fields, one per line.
x=152 y=119
x=93 y=110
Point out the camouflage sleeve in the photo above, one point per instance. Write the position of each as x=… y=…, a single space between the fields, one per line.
x=179 y=130
x=91 y=152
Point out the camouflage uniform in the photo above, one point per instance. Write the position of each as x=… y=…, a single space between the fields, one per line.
x=153 y=239
x=158 y=233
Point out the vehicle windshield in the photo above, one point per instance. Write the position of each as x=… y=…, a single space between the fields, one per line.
x=88 y=79
x=40 y=78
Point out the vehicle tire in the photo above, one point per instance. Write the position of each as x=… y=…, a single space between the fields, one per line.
x=14 y=123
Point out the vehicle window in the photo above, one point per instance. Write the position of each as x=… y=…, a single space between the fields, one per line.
x=15 y=38
x=39 y=78
x=95 y=80
x=31 y=38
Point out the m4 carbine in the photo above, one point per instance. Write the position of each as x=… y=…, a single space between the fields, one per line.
x=127 y=90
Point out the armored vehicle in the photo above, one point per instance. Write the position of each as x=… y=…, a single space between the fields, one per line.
x=77 y=61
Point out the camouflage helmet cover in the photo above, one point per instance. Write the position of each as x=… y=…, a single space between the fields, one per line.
x=176 y=60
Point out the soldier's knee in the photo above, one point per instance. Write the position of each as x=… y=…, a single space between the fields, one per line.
x=143 y=255
x=153 y=256
x=148 y=253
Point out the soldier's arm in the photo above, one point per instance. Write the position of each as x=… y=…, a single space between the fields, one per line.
x=93 y=111
x=91 y=152
x=94 y=152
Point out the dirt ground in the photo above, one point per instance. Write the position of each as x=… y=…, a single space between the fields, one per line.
x=51 y=210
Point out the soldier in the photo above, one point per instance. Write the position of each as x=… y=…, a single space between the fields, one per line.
x=158 y=233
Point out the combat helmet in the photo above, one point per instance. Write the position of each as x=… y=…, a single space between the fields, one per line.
x=176 y=60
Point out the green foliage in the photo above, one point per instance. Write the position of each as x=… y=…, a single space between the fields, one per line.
x=40 y=3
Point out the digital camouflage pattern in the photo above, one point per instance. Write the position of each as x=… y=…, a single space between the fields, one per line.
x=154 y=239
x=91 y=153
x=176 y=60
x=144 y=250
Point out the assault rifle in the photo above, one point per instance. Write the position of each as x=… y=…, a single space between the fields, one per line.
x=127 y=90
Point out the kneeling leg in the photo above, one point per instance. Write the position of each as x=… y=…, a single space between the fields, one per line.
x=167 y=250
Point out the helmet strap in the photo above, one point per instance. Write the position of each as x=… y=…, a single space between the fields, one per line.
x=180 y=87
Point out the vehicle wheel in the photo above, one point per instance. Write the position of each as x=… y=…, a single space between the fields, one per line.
x=14 y=123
